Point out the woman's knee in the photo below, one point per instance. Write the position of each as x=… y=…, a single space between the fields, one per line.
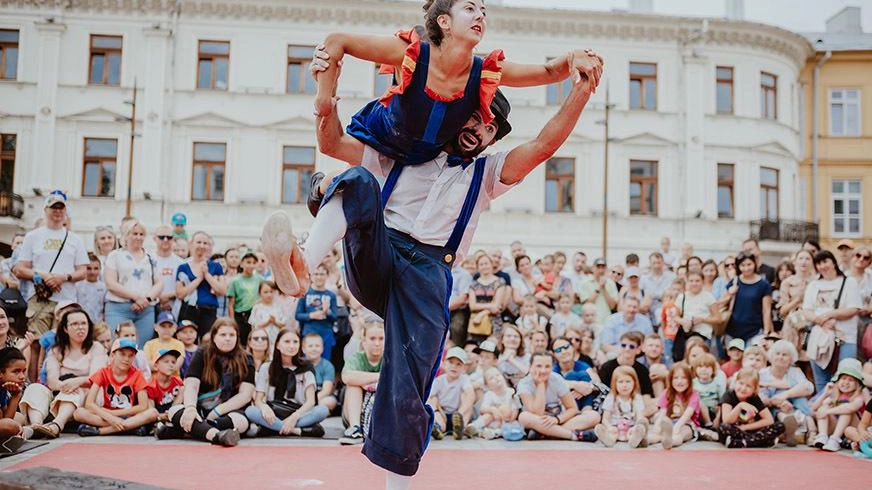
x=240 y=423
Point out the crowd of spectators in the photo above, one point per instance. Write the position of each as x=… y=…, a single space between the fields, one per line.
x=153 y=332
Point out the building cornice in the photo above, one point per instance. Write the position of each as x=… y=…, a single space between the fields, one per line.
x=513 y=21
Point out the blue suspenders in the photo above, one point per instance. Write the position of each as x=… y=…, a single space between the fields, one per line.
x=465 y=212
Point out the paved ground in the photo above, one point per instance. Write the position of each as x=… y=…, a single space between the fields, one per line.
x=277 y=463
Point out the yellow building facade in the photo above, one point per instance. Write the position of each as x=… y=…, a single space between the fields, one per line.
x=843 y=183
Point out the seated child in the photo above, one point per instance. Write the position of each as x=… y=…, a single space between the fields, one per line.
x=623 y=411
x=838 y=407
x=127 y=330
x=187 y=334
x=735 y=351
x=452 y=396
x=325 y=373
x=164 y=389
x=497 y=407
x=710 y=388
x=680 y=408
x=117 y=400
x=13 y=374
x=745 y=419
x=530 y=319
x=563 y=319
x=166 y=329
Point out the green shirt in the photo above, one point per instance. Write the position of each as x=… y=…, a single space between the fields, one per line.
x=183 y=235
x=243 y=290
x=358 y=362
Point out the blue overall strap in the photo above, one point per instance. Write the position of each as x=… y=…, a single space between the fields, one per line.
x=468 y=206
x=391 y=182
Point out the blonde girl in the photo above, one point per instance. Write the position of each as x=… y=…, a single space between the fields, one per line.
x=838 y=407
x=623 y=411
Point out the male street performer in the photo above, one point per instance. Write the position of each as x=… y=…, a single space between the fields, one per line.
x=400 y=241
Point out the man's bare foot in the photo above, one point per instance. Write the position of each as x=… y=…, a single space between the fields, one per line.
x=280 y=247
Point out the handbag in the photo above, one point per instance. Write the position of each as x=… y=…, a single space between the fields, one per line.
x=720 y=326
x=484 y=327
x=42 y=291
x=284 y=408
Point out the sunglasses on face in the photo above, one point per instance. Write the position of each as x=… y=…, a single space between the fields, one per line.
x=862 y=257
x=628 y=346
x=730 y=264
x=259 y=338
x=617 y=273
x=574 y=340
x=558 y=350
x=164 y=237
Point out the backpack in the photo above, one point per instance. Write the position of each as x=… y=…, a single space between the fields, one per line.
x=16 y=309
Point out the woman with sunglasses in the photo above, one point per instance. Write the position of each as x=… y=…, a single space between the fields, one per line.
x=752 y=309
x=862 y=273
x=132 y=283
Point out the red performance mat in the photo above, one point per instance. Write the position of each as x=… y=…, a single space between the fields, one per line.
x=282 y=467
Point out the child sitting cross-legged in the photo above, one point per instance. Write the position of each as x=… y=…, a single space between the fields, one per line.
x=497 y=407
x=164 y=389
x=745 y=419
x=452 y=396
x=117 y=401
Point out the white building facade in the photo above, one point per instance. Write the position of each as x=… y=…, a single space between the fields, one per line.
x=704 y=125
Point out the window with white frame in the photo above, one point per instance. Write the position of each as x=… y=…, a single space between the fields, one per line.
x=845 y=112
x=847 y=204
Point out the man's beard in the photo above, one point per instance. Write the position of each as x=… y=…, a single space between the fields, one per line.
x=454 y=147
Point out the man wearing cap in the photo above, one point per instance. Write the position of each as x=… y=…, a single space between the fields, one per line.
x=179 y=221
x=845 y=247
x=166 y=264
x=600 y=291
x=400 y=241
x=54 y=259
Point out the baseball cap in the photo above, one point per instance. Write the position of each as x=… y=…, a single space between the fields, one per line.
x=55 y=197
x=845 y=243
x=457 y=353
x=188 y=324
x=600 y=261
x=633 y=271
x=500 y=107
x=165 y=352
x=67 y=304
x=486 y=346
x=166 y=317
x=736 y=344
x=124 y=344
x=179 y=219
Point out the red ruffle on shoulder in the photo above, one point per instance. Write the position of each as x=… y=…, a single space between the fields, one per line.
x=491 y=72
x=406 y=70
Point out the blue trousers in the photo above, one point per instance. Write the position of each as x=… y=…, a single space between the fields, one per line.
x=407 y=283
x=310 y=418
x=117 y=312
x=821 y=376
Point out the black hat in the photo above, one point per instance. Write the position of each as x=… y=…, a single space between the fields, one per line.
x=500 y=107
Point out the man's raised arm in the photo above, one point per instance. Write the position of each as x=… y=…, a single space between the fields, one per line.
x=524 y=158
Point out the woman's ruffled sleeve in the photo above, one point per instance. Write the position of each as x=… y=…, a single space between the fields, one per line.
x=404 y=72
x=491 y=72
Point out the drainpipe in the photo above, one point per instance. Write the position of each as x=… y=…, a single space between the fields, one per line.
x=815 y=132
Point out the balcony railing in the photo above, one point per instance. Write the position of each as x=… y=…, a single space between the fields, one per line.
x=784 y=230
x=11 y=204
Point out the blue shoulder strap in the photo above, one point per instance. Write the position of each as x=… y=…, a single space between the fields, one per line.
x=391 y=182
x=468 y=206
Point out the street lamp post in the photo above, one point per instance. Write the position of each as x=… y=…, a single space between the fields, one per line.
x=605 y=123
x=127 y=213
